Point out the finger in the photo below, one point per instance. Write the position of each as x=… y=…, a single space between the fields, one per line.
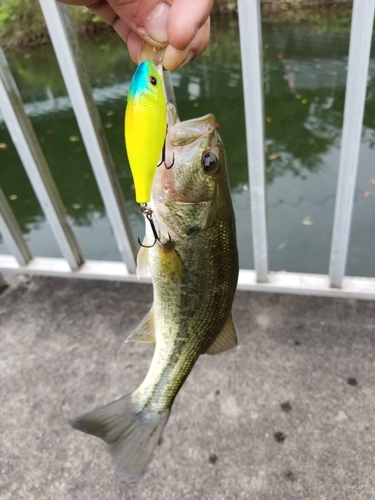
x=185 y=19
x=135 y=43
x=147 y=18
x=174 y=59
x=103 y=10
x=155 y=26
x=83 y=3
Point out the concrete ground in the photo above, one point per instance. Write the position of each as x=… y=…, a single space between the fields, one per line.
x=288 y=414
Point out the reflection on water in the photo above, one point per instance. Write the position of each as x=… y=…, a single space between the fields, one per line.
x=304 y=78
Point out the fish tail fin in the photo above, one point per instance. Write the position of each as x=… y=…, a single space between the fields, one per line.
x=131 y=433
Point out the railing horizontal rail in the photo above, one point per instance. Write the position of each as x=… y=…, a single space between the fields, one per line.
x=280 y=282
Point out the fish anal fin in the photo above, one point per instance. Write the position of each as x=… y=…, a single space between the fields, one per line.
x=144 y=331
x=226 y=339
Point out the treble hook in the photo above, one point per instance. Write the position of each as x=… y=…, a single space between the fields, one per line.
x=147 y=211
x=163 y=157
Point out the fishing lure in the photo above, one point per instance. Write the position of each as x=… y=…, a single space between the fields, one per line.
x=145 y=127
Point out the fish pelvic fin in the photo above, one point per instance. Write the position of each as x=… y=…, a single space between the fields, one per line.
x=130 y=434
x=145 y=330
x=226 y=339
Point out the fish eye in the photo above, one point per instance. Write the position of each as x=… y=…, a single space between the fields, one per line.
x=153 y=80
x=210 y=162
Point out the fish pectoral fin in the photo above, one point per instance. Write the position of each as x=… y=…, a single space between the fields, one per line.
x=171 y=263
x=226 y=339
x=145 y=330
x=142 y=260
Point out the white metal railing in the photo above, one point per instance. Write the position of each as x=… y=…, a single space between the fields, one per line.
x=359 y=56
x=72 y=68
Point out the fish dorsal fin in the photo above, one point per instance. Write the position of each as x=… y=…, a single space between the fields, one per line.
x=142 y=261
x=144 y=331
x=226 y=339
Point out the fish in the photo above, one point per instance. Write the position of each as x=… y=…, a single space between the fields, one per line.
x=194 y=270
x=145 y=127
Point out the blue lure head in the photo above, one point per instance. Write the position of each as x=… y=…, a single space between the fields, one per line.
x=146 y=78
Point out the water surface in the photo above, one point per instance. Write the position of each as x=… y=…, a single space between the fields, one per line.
x=304 y=81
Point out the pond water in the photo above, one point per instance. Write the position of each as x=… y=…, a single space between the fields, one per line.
x=304 y=81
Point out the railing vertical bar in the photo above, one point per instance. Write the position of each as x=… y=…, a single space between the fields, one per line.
x=36 y=167
x=359 y=55
x=79 y=89
x=251 y=48
x=12 y=234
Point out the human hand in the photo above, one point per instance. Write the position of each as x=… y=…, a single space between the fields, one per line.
x=181 y=26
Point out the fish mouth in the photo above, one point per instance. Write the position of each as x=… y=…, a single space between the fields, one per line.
x=188 y=131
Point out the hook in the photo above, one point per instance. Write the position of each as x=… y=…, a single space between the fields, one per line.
x=147 y=211
x=163 y=157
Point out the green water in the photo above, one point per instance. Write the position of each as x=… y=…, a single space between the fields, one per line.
x=304 y=81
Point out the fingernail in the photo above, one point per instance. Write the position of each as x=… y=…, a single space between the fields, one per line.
x=155 y=25
x=189 y=57
x=174 y=59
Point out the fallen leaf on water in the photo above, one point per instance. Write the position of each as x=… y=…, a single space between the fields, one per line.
x=73 y=138
x=298 y=96
x=108 y=125
x=86 y=176
x=110 y=112
x=282 y=245
x=50 y=131
x=304 y=101
x=195 y=104
x=268 y=119
x=76 y=206
x=13 y=197
x=3 y=145
x=280 y=56
x=217 y=124
x=307 y=221
x=274 y=156
x=372 y=181
x=366 y=194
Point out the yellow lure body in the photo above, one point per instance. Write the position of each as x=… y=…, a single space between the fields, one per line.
x=145 y=127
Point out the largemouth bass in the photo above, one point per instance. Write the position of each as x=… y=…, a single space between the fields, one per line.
x=194 y=269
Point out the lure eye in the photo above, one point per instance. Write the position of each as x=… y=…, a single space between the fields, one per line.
x=153 y=80
x=210 y=162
